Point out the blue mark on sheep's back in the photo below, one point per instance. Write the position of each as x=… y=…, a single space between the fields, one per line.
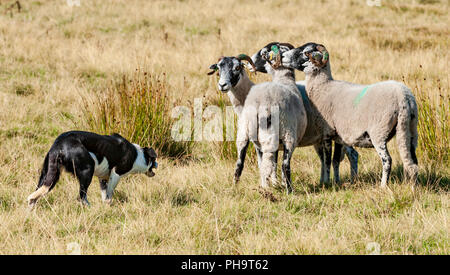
x=360 y=96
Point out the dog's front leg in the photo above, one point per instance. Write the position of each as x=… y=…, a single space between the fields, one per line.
x=113 y=181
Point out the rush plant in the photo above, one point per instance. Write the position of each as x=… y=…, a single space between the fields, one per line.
x=137 y=107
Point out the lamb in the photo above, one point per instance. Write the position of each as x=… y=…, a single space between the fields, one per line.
x=267 y=119
x=360 y=115
x=234 y=81
x=322 y=146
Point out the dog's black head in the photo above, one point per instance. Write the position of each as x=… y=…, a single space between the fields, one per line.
x=150 y=158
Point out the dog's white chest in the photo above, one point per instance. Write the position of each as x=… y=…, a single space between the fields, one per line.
x=101 y=170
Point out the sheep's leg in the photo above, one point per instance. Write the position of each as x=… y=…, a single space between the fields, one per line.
x=266 y=168
x=242 y=151
x=319 y=151
x=386 y=160
x=352 y=155
x=407 y=144
x=286 y=168
x=327 y=151
x=336 y=161
x=273 y=176
x=259 y=155
x=324 y=151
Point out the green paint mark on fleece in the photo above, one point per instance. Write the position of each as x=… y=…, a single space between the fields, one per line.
x=360 y=96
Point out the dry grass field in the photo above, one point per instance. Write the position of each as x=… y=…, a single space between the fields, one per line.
x=56 y=59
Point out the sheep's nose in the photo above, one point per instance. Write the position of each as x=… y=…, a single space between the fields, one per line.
x=223 y=86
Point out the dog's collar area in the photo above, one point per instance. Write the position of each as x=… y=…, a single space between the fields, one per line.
x=155 y=165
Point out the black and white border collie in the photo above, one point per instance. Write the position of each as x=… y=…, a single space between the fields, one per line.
x=85 y=155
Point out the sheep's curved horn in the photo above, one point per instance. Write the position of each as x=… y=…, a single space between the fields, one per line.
x=248 y=59
x=325 y=54
x=317 y=59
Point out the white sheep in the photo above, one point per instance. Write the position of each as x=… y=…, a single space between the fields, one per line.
x=273 y=113
x=314 y=134
x=234 y=81
x=360 y=115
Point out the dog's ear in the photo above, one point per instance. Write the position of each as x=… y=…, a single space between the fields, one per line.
x=150 y=152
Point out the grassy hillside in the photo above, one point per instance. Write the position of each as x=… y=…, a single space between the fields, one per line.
x=57 y=61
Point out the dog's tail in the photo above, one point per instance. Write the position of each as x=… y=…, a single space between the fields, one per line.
x=51 y=170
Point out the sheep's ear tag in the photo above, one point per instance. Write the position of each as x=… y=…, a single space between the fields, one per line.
x=325 y=56
x=274 y=49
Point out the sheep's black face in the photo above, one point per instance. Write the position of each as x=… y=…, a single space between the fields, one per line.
x=296 y=58
x=263 y=56
x=230 y=70
x=261 y=63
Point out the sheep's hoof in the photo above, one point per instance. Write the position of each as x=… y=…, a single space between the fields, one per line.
x=267 y=194
x=288 y=190
x=346 y=184
x=385 y=188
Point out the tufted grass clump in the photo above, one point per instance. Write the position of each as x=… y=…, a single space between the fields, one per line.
x=433 y=127
x=137 y=107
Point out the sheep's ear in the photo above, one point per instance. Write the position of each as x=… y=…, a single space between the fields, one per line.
x=214 y=69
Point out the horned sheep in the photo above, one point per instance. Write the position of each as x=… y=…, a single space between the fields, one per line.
x=273 y=112
x=314 y=134
x=360 y=115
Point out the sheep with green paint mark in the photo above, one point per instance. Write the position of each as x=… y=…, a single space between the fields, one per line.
x=360 y=115
x=233 y=80
x=314 y=135
x=273 y=118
